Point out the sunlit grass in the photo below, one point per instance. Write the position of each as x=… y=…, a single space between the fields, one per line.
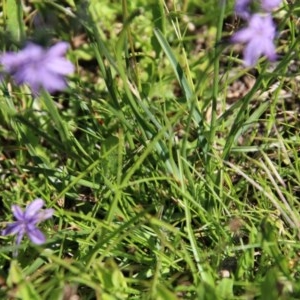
x=164 y=186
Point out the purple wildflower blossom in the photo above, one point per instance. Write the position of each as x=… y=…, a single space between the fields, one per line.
x=39 y=67
x=258 y=38
x=242 y=8
x=26 y=222
x=269 y=5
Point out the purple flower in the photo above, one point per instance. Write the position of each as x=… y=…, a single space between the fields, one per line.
x=26 y=222
x=269 y=5
x=38 y=67
x=242 y=8
x=258 y=38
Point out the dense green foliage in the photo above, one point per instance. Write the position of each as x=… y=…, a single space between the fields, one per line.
x=173 y=170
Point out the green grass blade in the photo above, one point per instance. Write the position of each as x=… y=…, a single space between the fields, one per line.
x=189 y=95
x=13 y=11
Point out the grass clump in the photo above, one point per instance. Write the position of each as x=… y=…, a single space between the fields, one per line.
x=172 y=168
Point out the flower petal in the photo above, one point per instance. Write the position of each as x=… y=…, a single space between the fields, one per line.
x=17 y=212
x=9 y=61
x=28 y=75
x=54 y=83
x=242 y=8
x=12 y=228
x=33 y=208
x=269 y=5
x=45 y=214
x=36 y=236
x=252 y=53
x=58 y=49
x=242 y=36
x=31 y=52
x=20 y=237
x=268 y=48
x=60 y=66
